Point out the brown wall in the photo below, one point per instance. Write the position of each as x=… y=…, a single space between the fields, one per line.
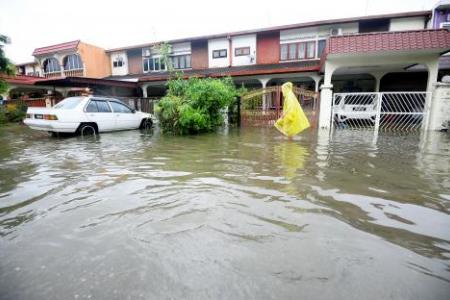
x=95 y=60
x=268 y=48
x=135 y=61
x=199 y=56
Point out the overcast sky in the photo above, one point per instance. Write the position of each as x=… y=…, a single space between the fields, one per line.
x=109 y=24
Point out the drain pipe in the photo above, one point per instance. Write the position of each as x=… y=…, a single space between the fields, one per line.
x=230 y=58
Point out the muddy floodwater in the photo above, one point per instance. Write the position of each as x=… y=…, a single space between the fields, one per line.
x=239 y=214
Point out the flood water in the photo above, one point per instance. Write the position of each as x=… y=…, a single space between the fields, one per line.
x=239 y=214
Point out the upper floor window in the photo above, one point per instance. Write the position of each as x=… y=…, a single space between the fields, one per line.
x=321 y=47
x=219 y=53
x=72 y=62
x=153 y=64
x=181 y=61
x=51 y=65
x=242 y=51
x=296 y=51
x=118 y=62
x=379 y=25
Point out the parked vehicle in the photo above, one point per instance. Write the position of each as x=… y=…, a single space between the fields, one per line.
x=356 y=108
x=87 y=115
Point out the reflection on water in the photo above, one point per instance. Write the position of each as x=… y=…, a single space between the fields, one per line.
x=241 y=214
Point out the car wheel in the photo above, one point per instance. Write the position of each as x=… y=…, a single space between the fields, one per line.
x=146 y=124
x=87 y=129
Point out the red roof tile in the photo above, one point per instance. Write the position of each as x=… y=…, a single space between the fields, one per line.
x=390 y=41
x=22 y=79
x=55 y=48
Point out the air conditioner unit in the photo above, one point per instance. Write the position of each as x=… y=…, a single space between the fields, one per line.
x=445 y=25
x=146 y=52
x=335 y=31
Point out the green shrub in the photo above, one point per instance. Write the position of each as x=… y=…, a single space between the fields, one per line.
x=12 y=112
x=194 y=105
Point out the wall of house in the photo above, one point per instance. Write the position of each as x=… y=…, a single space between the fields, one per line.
x=181 y=48
x=268 y=48
x=123 y=70
x=310 y=33
x=95 y=60
x=135 y=61
x=34 y=69
x=402 y=24
x=239 y=41
x=218 y=44
x=199 y=54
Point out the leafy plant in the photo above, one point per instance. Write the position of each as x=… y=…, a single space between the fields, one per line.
x=6 y=66
x=195 y=105
x=12 y=113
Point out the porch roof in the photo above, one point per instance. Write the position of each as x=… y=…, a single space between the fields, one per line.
x=21 y=79
x=85 y=81
x=304 y=66
x=431 y=40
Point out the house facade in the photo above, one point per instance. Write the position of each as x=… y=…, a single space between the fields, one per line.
x=70 y=59
x=255 y=57
x=391 y=52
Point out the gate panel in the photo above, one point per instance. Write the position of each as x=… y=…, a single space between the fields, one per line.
x=264 y=106
x=403 y=111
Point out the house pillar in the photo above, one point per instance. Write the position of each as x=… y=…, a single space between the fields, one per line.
x=316 y=79
x=378 y=76
x=264 y=82
x=431 y=107
x=144 y=90
x=326 y=96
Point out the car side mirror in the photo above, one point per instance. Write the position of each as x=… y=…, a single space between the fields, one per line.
x=133 y=111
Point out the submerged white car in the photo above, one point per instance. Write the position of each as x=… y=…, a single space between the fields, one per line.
x=363 y=108
x=87 y=115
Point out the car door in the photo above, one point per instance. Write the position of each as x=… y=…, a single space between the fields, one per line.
x=124 y=116
x=99 y=111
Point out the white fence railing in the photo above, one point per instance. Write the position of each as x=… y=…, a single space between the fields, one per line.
x=402 y=111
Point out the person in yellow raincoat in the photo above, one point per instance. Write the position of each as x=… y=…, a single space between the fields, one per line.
x=293 y=120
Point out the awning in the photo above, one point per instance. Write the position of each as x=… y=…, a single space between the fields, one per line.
x=86 y=82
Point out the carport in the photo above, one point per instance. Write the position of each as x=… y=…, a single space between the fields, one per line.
x=379 y=54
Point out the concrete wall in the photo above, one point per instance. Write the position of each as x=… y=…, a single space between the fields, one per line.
x=199 y=54
x=310 y=33
x=402 y=24
x=268 y=48
x=181 y=48
x=218 y=44
x=244 y=41
x=96 y=62
x=123 y=70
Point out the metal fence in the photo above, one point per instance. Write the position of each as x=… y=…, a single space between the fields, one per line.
x=143 y=104
x=262 y=107
x=402 y=111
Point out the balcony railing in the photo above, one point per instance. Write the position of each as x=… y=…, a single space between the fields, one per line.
x=74 y=73
x=53 y=74
x=65 y=73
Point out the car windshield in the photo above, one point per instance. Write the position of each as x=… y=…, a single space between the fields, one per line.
x=68 y=103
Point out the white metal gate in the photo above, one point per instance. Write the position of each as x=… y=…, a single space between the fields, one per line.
x=403 y=111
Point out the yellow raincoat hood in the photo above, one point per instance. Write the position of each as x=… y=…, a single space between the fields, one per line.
x=293 y=120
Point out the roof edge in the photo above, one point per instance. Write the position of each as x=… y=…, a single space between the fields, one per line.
x=281 y=27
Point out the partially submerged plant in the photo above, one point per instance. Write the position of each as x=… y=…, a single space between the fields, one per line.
x=194 y=105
